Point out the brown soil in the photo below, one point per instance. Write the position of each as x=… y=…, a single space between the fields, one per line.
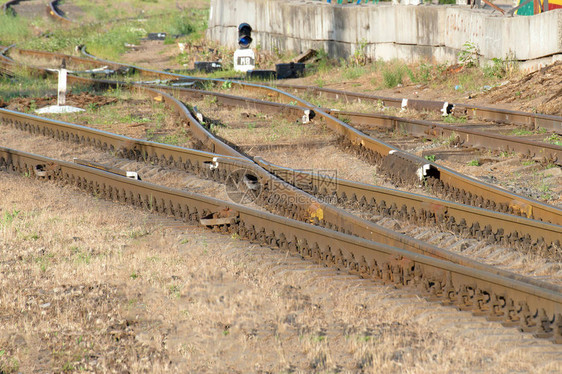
x=81 y=100
x=154 y=54
x=539 y=92
x=31 y=9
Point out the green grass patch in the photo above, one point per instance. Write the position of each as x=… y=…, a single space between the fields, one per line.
x=473 y=163
x=554 y=139
x=453 y=119
x=13 y=29
x=353 y=72
x=393 y=73
x=521 y=132
x=179 y=138
x=8 y=217
x=25 y=84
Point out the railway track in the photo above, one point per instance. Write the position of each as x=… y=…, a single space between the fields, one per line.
x=531 y=234
x=457 y=222
x=123 y=141
x=549 y=153
x=348 y=260
x=529 y=120
x=439 y=178
x=513 y=302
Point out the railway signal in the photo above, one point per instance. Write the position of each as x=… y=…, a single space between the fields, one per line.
x=244 y=57
x=244 y=35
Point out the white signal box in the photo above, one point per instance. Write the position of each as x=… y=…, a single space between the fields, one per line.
x=244 y=60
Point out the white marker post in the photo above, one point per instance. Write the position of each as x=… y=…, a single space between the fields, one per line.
x=61 y=99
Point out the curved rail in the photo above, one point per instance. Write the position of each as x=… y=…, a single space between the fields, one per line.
x=513 y=302
x=54 y=12
x=390 y=159
x=6 y=6
x=499 y=229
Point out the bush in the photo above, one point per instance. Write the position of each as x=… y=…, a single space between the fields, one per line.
x=393 y=74
x=468 y=56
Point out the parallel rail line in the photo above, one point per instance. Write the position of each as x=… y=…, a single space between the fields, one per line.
x=530 y=120
x=513 y=302
x=548 y=152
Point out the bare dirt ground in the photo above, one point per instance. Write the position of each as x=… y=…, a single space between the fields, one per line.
x=31 y=8
x=89 y=285
x=539 y=92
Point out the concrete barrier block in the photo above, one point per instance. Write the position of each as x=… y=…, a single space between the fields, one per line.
x=363 y=26
x=382 y=24
x=491 y=41
x=545 y=34
x=345 y=24
x=463 y=25
x=427 y=25
x=406 y=24
x=400 y=31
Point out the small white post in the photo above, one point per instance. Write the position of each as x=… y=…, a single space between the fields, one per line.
x=61 y=99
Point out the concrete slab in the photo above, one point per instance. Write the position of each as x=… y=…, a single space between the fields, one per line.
x=59 y=109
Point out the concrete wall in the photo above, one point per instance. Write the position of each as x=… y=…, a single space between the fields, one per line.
x=387 y=31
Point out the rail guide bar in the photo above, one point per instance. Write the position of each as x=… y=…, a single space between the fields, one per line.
x=128 y=174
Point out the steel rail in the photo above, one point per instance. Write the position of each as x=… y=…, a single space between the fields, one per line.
x=399 y=165
x=531 y=120
x=459 y=218
x=412 y=269
x=513 y=302
x=278 y=195
x=8 y=4
x=404 y=167
x=49 y=56
x=514 y=204
x=549 y=152
x=528 y=236
x=53 y=12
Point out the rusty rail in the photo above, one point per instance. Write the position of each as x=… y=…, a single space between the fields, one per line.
x=281 y=197
x=8 y=4
x=401 y=166
x=54 y=12
x=548 y=152
x=459 y=218
x=514 y=302
x=513 y=309
x=530 y=120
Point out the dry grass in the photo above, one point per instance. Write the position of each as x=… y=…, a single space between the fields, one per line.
x=247 y=127
x=86 y=287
